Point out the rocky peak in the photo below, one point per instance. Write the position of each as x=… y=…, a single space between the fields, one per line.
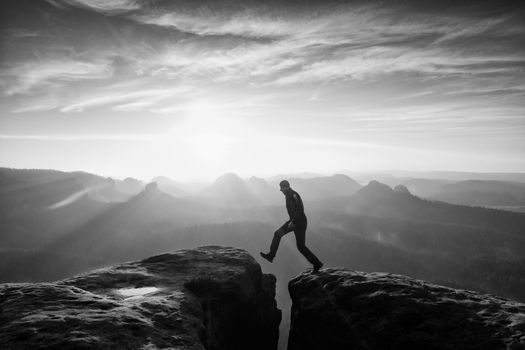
x=401 y=189
x=205 y=298
x=231 y=191
x=151 y=187
x=375 y=189
x=230 y=179
x=341 y=309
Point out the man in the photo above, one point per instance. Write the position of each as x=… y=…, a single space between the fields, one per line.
x=297 y=224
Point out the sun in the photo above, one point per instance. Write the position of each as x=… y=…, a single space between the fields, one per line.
x=206 y=132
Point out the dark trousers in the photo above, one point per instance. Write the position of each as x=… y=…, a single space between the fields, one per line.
x=300 y=237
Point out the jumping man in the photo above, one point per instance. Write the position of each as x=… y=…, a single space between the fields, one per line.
x=297 y=224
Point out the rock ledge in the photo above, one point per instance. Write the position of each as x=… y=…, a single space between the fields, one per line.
x=205 y=298
x=341 y=309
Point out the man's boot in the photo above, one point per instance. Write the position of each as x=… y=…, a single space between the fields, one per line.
x=317 y=266
x=267 y=256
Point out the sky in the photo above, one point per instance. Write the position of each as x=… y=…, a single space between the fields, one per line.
x=193 y=89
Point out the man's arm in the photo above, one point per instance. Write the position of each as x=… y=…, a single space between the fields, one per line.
x=297 y=205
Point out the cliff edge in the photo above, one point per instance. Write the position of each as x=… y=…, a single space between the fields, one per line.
x=205 y=298
x=342 y=309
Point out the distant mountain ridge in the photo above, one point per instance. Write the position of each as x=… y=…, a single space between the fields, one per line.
x=453 y=176
x=486 y=193
x=381 y=200
x=231 y=190
x=100 y=188
x=169 y=186
x=483 y=193
x=316 y=188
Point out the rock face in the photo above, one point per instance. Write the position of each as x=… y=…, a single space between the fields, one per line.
x=205 y=298
x=341 y=309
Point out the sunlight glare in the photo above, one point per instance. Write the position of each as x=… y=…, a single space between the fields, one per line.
x=206 y=132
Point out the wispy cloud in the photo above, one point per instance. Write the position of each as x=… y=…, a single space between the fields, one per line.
x=411 y=96
x=44 y=104
x=123 y=100
x=472 y=29
x=34 y=76
x=246 y=25
x=104 y=6
x=262 y=46
x=434 y=119
x=349 y=42
x=371 y=62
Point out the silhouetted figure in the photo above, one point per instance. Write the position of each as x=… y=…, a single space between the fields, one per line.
x=297 y=224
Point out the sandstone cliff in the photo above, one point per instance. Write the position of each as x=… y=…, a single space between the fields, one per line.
x=342 y=309
x=205 y=298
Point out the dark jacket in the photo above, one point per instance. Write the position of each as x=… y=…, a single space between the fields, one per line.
x=294 y=206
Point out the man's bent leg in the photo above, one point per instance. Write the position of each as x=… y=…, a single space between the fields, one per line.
x=281 y=231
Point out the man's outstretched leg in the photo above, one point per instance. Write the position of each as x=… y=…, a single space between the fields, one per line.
x=275 y=242
x=300 y=238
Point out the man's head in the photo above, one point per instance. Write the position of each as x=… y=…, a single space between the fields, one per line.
x=285 y=186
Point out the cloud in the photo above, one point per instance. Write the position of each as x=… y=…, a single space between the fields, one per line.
x=347 y=42
x=248 y=24
x=277 y=46
x=125 y=100
x=431 y=119
x=105 y=6
x=38 y=106
x=411 y=96
x=472 y=29
x=23 y=33
x=29 y=77
x=370 y=62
